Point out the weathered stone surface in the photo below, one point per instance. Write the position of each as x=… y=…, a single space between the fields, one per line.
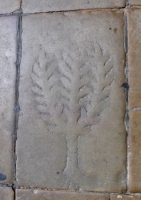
x=135 y=2
x=6 y=194
x=71 y=128
x=8 y=6
x=7 y=95
x=134 y=27
x=135 y=152
x=43 y=195
x=134 y=58
x=55 y=5
x=125 y=197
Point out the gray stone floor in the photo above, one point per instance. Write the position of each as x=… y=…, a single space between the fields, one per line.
x=70 y=94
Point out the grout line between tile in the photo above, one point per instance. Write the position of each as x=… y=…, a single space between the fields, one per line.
x=127 y=113
x=76 y=10
x=5 y=185
x=17 y=107
x=19 y=11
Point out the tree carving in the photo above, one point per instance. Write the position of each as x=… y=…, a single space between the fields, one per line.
x=72 y=95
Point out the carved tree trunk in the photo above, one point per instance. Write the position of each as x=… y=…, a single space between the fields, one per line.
x=72 y=156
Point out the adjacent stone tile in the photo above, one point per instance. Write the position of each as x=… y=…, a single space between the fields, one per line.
x=33 y=6
x=135 y=2
x=135 y=152
x=134 y=27
x=43 y=195
x=134 y=58
x=71 y=128
x=8 y=6
x=6 y=194
x=125 y=197
x=7 y=95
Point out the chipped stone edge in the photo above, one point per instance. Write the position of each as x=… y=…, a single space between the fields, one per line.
x=121 y=196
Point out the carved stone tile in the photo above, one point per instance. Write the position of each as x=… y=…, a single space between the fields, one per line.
x=71 y=129
x=135 y=2
x=125 y=197
x=8 y=6
x=134 y=58
x=33 y=6
x=43 y=195
x=6 y=194
x=7 y=95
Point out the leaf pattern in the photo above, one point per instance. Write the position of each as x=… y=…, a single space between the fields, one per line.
x=75 y=91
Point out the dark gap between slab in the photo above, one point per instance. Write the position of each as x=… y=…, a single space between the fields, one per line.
x=17 y=106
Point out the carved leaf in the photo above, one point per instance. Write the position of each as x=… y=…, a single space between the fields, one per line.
x=45 y=79
x=97 y=84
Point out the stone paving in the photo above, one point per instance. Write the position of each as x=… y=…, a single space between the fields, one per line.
x=70 y=99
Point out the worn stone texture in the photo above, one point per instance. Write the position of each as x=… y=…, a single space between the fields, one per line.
x=71 y=131
x=7 y=95
x=135 y=2
x=8 y=6
x=6 y=194
x=135 y=152
x=134 y=58
x=33 y=6
x=43 y=195
x=134 y=27
x=125 y=197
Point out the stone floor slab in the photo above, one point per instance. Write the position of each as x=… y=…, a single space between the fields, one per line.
x=134 y=58
x=43 y=195
x=8 y=6
x=134 y=27
x=135 y=2
x=6 y=194
x=135 y=152
x=7 y=95
x=71 y=128
x=125 y=197
x=33 y=6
